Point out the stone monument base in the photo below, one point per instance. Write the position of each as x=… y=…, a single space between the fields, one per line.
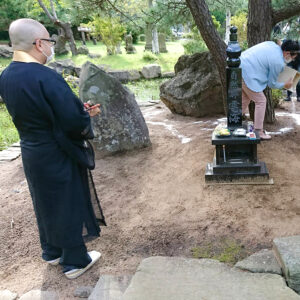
x=236 y=162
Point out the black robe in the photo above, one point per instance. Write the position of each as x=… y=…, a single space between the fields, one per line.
x=53 y=125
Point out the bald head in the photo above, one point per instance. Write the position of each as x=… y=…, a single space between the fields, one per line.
x=23 y=32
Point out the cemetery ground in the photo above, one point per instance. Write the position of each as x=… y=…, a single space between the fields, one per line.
x=156 y=203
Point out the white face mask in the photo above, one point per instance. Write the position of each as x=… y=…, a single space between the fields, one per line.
x=50 y=57
x=288 y=59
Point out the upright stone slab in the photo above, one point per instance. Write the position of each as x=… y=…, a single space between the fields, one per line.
x=287 y=252
x=162 y=43
x=148 y=46
x=178 y=278
x=121 y=125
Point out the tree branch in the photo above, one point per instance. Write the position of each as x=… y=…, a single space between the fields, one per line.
x=123 y=14
x=291 y=9
x=42 y=5
x=53 y=9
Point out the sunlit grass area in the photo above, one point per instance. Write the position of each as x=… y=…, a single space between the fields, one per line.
x=123 y=61
x=8 y=132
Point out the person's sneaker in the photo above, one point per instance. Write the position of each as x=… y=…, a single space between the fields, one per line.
x=53 y=262
x=287 y=99
x=72 y=274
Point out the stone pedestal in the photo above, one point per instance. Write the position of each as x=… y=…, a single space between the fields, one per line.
x=236 y=159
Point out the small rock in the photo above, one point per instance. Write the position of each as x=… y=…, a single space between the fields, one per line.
x=168 y=75
x=6 y=51
x=263 y=261
x=83 y=291
x=7 y=295
x=94 y=55
x=151 y=71
x=83 y=50
x=287 y=252
x=39 y=295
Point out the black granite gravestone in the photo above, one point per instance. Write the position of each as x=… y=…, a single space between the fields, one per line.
x=236 y=156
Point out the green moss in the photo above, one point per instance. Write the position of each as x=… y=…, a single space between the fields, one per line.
x=225 y=250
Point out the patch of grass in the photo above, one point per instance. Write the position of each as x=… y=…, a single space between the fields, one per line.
x=226 y=250
x=145 y=90
x=126 y=61
x=8 y=131
x=123 y=61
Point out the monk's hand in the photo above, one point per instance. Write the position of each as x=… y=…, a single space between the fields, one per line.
x=288 y=84
x=94 y=110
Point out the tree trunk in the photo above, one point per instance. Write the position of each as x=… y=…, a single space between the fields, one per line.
x=66 y=27
x=227 y=33
x=213 y=41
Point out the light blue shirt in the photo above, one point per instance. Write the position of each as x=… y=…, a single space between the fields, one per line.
x=261 y=65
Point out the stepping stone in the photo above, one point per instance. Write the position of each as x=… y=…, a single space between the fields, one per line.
x=7 y=295
x=181 y=278
x=39 y=295
x=17 y=144
x=110 y=287
x=287 y=252
x=83 y=291
x=263 y=261
x=10 y=154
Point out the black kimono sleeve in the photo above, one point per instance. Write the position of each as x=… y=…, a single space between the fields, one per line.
x=67 y=108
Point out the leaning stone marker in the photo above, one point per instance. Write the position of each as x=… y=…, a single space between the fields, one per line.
x=287 y=251
x=263 y=261
x=121 y=125
x=164 y=278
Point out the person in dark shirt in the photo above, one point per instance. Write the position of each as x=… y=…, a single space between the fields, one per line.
x=295 y=64
x=53 y=127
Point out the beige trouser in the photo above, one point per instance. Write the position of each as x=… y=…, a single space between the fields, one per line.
x=260 y=105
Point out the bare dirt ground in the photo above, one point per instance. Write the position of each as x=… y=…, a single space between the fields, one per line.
x=156 y=203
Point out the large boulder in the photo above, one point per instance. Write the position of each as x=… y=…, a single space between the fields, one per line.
x=121 y=125
x=151 y=71
x=66 y=67
x=196 y=89
x=6 y=51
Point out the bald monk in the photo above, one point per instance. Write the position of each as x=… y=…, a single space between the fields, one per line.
x=53 y=126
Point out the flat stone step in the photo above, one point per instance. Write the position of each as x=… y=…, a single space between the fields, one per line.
x=110 y=287
x=10 y=154
x=179 y=278
x=39 y=295
x=7 y=295
x=287 y=252
x=263 y=261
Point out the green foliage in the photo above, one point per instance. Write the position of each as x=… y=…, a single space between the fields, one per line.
x=194 y=46
x=225 y=250
x=145 y=90
x=72 y=84
x=240 y=21
x=142 y=37
x=110 y=30
x=8 y=132
x=276 y=97
x=149 y=56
